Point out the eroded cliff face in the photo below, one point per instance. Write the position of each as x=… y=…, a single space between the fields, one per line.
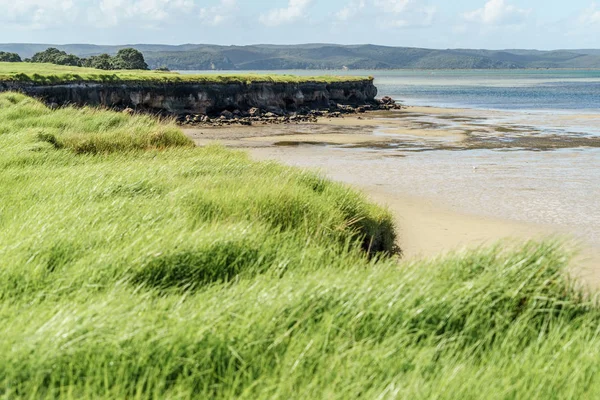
x=182 y=98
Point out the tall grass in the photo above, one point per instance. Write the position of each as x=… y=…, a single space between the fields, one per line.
x=166 y=271
x=50 y=74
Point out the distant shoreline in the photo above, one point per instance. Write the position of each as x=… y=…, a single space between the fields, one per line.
x=211 y=71
x=330 y=56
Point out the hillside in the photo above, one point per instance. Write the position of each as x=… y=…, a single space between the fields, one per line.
x=330 y=56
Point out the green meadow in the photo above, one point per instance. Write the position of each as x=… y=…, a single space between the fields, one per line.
x=51 y=74
x=135 y=265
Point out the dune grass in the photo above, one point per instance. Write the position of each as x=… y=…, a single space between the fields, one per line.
x=50 y=74
x=153 y=269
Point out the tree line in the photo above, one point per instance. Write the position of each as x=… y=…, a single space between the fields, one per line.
x=125 y=59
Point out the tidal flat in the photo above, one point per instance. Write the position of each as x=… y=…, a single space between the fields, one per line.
x=485 y=175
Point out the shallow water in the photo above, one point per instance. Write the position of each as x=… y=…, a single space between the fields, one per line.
x=531 y=151
x=549 y=188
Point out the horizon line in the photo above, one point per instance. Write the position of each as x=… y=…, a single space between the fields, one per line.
x=293 y=44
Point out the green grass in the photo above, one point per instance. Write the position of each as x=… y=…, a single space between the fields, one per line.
x=153 y=269
x=50 y=74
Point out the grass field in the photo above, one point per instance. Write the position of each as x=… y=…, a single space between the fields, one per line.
x=133 y=265
x=57 y=74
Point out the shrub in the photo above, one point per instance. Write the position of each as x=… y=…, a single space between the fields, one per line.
x=9 y=57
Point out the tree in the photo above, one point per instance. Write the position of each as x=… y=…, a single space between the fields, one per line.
x=68 y=59
x=47 y=56
x=55 y=56
x=129 y=59
x=9 y=57
x=103 y=61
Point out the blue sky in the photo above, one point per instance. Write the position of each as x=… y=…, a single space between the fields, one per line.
x=495 y=24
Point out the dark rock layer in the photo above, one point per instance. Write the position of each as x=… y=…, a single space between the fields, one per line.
x=210 y=99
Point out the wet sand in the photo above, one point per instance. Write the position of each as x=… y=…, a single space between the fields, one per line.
x=453 y=178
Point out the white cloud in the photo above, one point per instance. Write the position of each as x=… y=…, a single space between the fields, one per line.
x=218 y=14
x=497 y=12
x=394 y=6
x=590 y=16
x=350 y=10
x=295 y=10
x=405 y=13
x=114 y=11
x=37 y=14
x=419 y=17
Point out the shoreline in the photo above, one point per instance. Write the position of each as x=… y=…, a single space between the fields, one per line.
x=428 y=228
x=363 y=153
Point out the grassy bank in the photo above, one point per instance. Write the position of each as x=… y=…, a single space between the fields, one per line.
x=50 y=74
x=134 y=265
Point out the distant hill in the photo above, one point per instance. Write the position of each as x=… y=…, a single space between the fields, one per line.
x=329 y=56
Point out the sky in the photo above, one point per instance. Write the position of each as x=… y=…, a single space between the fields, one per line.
x=490 y=24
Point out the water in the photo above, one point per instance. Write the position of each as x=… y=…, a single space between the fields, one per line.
x=515 y=90
x=498 y=90
x=555 y=184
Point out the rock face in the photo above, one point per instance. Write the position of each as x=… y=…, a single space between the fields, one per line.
x=210 y=98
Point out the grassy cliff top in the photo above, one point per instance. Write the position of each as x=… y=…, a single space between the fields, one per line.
x=57 y=74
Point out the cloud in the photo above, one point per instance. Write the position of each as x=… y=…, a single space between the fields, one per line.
x=405 y=13
x=497 y=12
x=350 y=10
x=37 y=14
x=112 y=12
x=419 y=17
x=218 y=14
x=153 y=12
x=146 y=14
x=295 y=10
x=590 y=16
x=394 y=6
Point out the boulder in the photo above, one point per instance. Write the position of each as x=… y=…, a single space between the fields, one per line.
x=226 y=115
x=254 y=112
x=387 y=100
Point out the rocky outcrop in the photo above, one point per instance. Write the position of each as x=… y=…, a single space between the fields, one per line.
x=203 y=98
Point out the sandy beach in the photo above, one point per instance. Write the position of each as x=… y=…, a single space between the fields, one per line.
x=454 y=178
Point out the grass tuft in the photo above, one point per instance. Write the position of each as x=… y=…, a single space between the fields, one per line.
x=87 y=130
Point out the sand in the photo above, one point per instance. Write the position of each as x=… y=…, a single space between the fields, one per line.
x=391 y=156
x=426 y=227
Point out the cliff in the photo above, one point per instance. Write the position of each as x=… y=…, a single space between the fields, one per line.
x=201 y=98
